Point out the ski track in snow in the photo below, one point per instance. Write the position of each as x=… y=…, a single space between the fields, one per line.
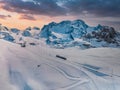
x=79 y=80
x=17 y=79
x=80 y=69
x=68 y=63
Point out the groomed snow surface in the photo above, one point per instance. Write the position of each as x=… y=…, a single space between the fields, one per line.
x=38 y=68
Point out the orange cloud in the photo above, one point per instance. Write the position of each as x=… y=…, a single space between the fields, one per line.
x=27 y=17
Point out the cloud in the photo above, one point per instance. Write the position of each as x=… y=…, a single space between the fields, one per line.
x=37 y=7
x=4 y=16
x=27 y=17
x=102 y=8
x=98 y=8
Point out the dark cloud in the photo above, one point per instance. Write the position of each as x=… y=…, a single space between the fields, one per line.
x=4 y=16
x=39 y=7
x=101 y=8
x=27 y=17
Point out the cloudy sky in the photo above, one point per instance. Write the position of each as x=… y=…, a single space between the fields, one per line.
x=24 y=13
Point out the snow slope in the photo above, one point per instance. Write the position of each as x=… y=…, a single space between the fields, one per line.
x=38 y=68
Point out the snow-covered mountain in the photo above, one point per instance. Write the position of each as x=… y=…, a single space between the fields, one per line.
x=64 y=34
x=5 y=34
x=27 y=36
x=78 y=33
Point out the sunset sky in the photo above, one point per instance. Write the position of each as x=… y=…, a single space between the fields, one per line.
x=23 y=13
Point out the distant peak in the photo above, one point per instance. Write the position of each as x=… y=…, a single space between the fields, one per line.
x=79 y=20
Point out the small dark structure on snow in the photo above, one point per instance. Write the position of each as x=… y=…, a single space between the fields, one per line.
x=22 y=44
x=38 y=65
x=61 y=57
x=32 y=44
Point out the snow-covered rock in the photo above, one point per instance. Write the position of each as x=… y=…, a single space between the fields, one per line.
x=3 y=28
x=31 y=32
x=26 y=33
x=15 y=30
x=6 y=36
